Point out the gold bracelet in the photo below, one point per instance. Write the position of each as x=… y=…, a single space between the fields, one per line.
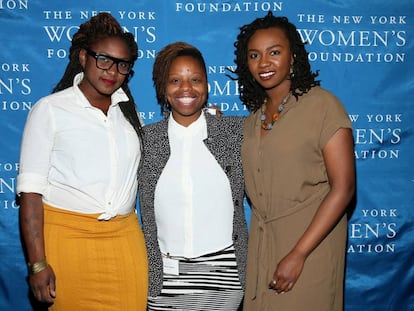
x=37 y=266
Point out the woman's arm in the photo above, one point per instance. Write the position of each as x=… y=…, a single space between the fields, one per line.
x=339 y=160
x=42 y=281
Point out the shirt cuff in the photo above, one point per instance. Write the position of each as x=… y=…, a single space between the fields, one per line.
x=29 y=182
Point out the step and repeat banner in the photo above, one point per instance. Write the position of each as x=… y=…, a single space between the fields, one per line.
x=363 y=49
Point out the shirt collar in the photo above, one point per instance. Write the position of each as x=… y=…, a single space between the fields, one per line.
x=193 y=129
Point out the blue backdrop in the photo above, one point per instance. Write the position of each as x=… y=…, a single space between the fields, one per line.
x=363 y=49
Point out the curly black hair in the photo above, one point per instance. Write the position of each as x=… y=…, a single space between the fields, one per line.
x=302 y=79
x=99 y=27
x=162 y=64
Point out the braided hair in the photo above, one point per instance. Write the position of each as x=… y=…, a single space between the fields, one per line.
x=302 y=78
x=99 y=27
x=162 y=65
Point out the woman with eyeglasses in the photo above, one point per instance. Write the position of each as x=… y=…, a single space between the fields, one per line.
x=78 y=179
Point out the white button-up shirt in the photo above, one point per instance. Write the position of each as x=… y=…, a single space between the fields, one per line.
x=77 y=157
x=193 y=200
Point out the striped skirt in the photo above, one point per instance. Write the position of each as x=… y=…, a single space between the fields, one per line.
x=99 y=265
x=209 y=282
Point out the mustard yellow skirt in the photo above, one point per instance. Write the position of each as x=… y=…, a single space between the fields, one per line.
x=99 y=265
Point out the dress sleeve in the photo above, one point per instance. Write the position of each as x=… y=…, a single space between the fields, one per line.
x=335 y=118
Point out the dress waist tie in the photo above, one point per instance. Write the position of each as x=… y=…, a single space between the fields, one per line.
x=263 y=222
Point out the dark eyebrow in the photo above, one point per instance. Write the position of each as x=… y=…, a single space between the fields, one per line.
x=267 y=49
x=115 y=59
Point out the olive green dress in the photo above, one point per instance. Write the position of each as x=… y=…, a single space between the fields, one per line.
x=286 y=180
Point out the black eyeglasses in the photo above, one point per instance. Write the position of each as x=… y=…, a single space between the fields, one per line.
x=105 y=62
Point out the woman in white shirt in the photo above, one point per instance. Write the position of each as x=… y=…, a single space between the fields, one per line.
x=191 y=192
x=78 y=180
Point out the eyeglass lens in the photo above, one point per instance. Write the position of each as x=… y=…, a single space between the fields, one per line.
x=104 y=62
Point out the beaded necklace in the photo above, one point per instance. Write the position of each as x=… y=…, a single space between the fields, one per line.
x=268 y=126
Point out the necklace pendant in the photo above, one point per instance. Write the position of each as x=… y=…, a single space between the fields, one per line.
x=268 y=126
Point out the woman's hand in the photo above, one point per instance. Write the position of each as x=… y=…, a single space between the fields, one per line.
x=43 y=285
x=214 y=110
x=287 y=272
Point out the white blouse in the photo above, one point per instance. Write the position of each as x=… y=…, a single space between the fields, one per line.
x=193 y=199
x=77 y=157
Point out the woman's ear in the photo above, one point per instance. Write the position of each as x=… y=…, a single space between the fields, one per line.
x=82 y=58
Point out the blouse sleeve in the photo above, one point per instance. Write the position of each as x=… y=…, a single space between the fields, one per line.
x=36 y=149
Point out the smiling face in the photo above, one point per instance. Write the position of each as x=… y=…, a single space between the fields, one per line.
x=186 y=89
x=103 y=82
x=269 y=58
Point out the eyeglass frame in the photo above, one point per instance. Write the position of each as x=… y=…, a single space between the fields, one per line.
x=114 y=60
